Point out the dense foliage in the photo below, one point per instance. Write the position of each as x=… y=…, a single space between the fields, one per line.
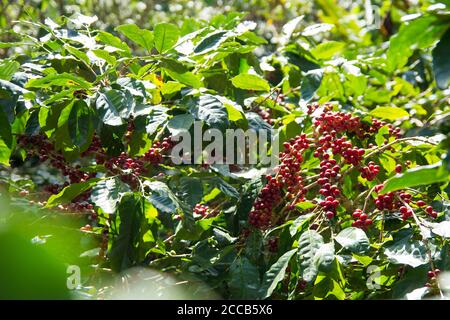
x=358 y=206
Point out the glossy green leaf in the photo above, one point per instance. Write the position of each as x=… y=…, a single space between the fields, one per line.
x=80 y=123
x=421 y=175
x=441 y=63
x=275 y=274
x=61 y=80
x=327 y=50
x=353 y=239
x=250 y=82
x=142 y=37
x=106 y=194
x=389 y=113
x=308 y=244
x=244 y=279
x=66 y=195
x=166 y=35
x=310 y=83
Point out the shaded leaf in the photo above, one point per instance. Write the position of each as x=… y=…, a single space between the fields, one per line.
x=275 y=274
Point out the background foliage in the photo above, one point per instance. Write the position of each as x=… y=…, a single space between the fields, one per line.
x=91 y=91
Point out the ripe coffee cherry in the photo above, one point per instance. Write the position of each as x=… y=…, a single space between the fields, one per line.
x=420 y=203
x=356 y=214
x=429 y=209
x=398 y=168
x=330 y=214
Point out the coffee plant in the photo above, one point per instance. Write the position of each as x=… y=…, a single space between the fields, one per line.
x=357 y=206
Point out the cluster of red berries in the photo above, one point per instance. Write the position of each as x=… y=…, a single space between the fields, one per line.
x=361 y=219
x=155 y=154
x=288 y=176
x=128 y=168
x=339 y=146
x=389 y=201
x=432 y=276
x=428 y=209
x=329 y=170
x=266 y=115
x=94 y=147
x=202 y=210
x=269 y=196
x=40 y=145
x=393 y=201
x=370 y=171
x=331 y=144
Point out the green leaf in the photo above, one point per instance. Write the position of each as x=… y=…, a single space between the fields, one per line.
x=275 y=274
x=212 y=111
x=162 y=197
x=441 y=62
x=305 y=205
x=157 y=117
x=250 y=82
x=417 y=34
x=8 y=68
x=80 y=123
x=244 y=280
x=316 y=29
x=191 y=190
x=299 y=223
x=408 y=252
x=62 y=80
x=353 y=239
x=225 y=187
x=105 y=55
x=113 y=106
x=180 y=123
x=113 y=41
x=70 y=192
x=106 y=194
x=142 y=37
x=310 y=83
x=327 y=50
x=166 y=36
x=77 y=53
x=324 y=257
x=6 y=139
x=380 y=136
x=124 y=252
x=421 y=175
x=308 y=244
x=442 y=229
x=390 y=113
x=170 y=87
x=211 y=42
x=180 y=73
